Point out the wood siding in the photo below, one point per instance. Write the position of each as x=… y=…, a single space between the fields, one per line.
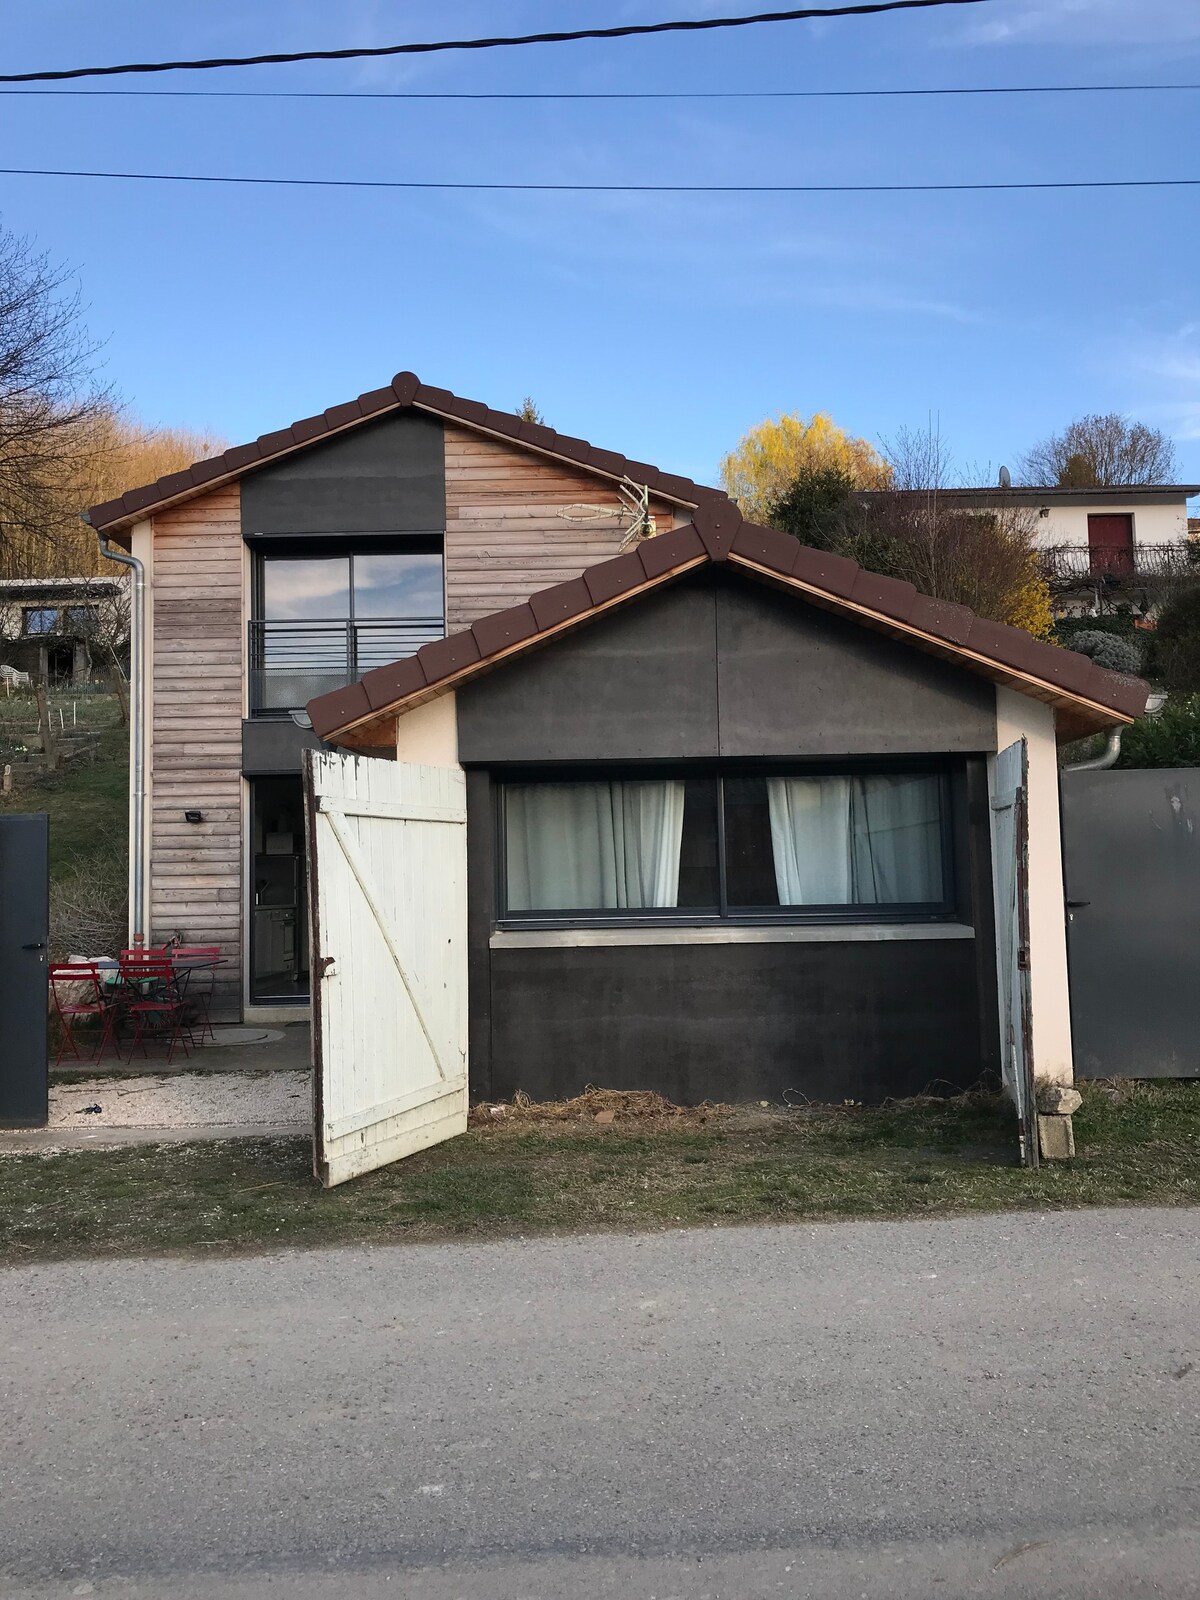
x=196 y=730
x=505 y=539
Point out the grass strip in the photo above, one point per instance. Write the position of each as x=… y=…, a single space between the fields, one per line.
x=1137 y=1143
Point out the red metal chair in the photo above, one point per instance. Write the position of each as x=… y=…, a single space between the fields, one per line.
x=153 y=999
x=78 y=992
x=197 y=968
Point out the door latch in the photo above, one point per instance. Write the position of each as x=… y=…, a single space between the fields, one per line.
x=324 y=966
x=40 y=946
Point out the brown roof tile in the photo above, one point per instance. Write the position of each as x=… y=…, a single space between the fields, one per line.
x=329 y=712
x=444 y=657
x=945 y=619
x=836 y=575
x=503 y=629
x=892 y=596
x=669 y=550
x=396 y=681
x=560 y=602
x=616 y=576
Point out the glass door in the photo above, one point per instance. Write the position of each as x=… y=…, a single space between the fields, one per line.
x=278 y=884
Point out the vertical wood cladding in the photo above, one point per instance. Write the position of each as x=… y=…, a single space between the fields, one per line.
x=505 y=538
x=199 y=671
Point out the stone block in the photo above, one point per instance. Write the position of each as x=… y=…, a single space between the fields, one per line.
x=1056 y=1138
x=1058 y=1100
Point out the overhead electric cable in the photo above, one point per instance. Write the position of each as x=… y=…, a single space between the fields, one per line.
x=431 y=47
x=609 y=188
x=604 y=94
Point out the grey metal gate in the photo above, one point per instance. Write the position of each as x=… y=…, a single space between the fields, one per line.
x=24 y=933
x=1132 y=858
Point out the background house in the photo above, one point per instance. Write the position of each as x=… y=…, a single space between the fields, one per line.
x=1096 y=547
x=63 y=631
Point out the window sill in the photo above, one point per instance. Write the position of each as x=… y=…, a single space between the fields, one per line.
x=726 y=933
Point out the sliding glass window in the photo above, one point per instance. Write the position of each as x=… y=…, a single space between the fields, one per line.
x=827 y=846
x=322 y=619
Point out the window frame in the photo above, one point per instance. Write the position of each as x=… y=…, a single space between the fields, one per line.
x=948 y=909
x=53 y=611
x=344 y=546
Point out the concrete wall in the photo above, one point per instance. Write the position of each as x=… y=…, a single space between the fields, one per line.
x=720 y=667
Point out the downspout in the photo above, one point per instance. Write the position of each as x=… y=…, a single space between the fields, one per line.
x=137 y=737
x=1100 y=763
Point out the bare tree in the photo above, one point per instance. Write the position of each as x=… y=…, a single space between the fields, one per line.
x=48 y=396
x=1101 y=451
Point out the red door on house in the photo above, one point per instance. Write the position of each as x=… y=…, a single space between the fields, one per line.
x=1110 y=545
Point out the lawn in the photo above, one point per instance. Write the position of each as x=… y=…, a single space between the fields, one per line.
x=531 y=1173
x=87 y=803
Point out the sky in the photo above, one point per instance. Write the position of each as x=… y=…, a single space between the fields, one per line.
x=661 y=326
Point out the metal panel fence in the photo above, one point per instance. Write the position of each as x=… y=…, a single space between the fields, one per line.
x=1132 y=857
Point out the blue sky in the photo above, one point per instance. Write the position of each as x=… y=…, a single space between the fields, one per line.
x=660 y=326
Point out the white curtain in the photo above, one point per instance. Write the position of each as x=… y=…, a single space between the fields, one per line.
x=592 y=846
x=873 y=840
x=811 y=840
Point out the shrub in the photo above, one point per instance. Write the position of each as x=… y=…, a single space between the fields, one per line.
x=88 y=908
x=1176 y=647
x=1108 y=650
x=1169 y=739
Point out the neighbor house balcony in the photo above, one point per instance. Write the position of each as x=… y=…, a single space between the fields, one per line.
x=292 y=662
x=1069 y=566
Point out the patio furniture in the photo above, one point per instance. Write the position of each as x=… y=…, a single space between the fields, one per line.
x=78 y=993
x=154 y=1001
x=197 y=966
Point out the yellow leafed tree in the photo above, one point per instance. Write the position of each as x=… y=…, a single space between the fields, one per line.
x=766 y=461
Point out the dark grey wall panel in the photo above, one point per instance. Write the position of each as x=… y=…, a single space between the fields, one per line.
x=736 y=1022
x=722 y=666
x=275 y=747
x=1131 y=842
x=384 y=477
x=795 y=679
x=638 y=685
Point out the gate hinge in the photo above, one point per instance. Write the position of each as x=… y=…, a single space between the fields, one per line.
x=1023 y=958
x=324 y=966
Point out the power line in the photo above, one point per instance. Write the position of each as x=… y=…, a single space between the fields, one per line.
x=604 y=94
x=629 y=31
x=612 y=188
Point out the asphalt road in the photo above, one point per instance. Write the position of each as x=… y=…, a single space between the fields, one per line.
x=997 y=1406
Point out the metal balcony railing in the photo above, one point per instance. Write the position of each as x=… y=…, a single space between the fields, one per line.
x=291 y=662
x=1067 y=565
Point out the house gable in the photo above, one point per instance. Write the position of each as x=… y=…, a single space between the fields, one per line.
x=718 y=666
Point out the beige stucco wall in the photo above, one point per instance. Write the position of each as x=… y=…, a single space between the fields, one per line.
x=1019 y=716
x=428 y=735
x=1067 y=524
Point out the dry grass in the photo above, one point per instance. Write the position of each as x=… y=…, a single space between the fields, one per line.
x=640 y=1107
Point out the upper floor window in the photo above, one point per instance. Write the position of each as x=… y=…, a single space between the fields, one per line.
x=323 y=618
x=40 y=619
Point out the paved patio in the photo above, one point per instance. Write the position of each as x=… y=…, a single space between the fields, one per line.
x=249 y=1083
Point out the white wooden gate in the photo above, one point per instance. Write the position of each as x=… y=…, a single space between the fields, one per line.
x=387 y=869
x=1010 y=870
